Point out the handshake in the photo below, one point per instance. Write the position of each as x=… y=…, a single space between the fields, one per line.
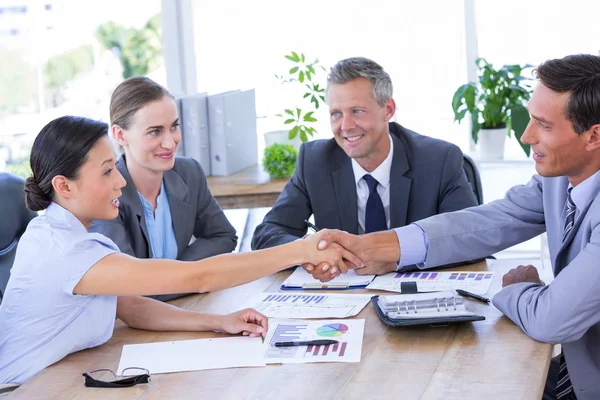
x=332 y=252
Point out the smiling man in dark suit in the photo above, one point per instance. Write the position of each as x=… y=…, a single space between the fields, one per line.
x=373 y=175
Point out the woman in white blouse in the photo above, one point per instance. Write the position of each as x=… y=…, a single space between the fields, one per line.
x=67 y=285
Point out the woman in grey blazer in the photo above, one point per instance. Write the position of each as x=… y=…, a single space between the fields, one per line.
x=166 y=210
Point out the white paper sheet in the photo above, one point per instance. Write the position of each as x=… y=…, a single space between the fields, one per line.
x=348 y=333
x=287 y=305
x=302 y=279
x=477 y=282
x=192 y=355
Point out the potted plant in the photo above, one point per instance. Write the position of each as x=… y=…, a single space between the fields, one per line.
x=300 y=119
x=279 y=160
x=497 y=107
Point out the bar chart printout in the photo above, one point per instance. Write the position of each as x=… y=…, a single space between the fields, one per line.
x=475 y=282
x=348 y=333
x=284 y=305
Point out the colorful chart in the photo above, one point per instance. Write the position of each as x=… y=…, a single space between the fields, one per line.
x=331 y=330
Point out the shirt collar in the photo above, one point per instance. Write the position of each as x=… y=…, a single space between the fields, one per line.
x=381 y=173
x=582 y=193
x=61 y=214
x=159 y=200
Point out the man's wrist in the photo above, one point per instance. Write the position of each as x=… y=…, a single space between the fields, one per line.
x=379 y=246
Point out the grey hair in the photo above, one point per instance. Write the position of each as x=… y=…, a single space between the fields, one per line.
x=353 y=68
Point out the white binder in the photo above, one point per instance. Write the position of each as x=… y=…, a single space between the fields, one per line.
x=232 y=131
x=194 y=124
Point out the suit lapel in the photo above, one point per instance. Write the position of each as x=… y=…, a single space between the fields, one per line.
x=177 y=192
x=131 y=197
x=399 y=184
x=560 y=255
x=345 y=193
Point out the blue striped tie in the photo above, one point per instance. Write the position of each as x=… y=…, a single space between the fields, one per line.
x=564 y=388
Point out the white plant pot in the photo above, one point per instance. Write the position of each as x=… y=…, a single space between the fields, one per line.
x=281 y=137
x=491 y=143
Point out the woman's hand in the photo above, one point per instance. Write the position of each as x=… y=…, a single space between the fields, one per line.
x=330 y=258
x=249 y=322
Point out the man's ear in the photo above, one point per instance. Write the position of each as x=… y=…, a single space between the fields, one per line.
x=593 y=142
x=62 y=186
x=390 y=109
x=119 y=135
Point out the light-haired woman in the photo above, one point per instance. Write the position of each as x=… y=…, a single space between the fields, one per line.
x=166 y=202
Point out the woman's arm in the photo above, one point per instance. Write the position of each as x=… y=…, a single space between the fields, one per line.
x=121 y=275
x=150 y=314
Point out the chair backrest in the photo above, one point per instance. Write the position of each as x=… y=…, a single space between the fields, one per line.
x=473 y=177
x=15 y=217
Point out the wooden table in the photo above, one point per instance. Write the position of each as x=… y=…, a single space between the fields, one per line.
x=249 y=188
x=488 y=359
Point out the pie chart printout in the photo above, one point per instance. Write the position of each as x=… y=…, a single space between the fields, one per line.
x=332 y=330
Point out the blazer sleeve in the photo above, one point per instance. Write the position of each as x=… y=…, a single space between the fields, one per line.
x=564 y=310
x=213 y=232
x=284 y=223
x=456 y=193
x=114 y=229
x=479 y=231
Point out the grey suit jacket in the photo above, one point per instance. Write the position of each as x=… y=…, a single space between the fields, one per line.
x=426 y=178
x=194 y=211
x=566 y=311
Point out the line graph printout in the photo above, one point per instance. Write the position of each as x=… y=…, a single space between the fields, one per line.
x=348 y=333
x=284 y=305
x=473 y=281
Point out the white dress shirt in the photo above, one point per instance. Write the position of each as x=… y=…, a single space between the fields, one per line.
x=382 y=175
x=41 y=320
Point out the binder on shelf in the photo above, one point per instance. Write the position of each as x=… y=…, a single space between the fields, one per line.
x=232 y=131
x=179 y=152
x=433 y=308
x=194 y=123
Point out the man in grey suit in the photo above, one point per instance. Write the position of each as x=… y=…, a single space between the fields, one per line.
x=373 y=175
x=562 y=200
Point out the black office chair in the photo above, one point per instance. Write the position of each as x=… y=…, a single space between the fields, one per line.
x=473 y=177
x=13 y=221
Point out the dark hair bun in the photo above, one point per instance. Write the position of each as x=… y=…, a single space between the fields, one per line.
x=35 y=198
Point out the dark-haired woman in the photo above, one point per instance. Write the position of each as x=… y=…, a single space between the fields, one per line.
x=67 y=285
x=166 y=202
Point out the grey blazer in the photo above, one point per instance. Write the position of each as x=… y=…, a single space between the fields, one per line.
x=194 y=211
x=566 y=311
x=426 y=178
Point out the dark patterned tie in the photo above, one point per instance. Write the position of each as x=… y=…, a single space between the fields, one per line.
x=375 y=220
x=564 y=388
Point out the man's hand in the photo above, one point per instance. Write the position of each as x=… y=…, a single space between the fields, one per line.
x=249 y=322
x=376 y=268
x=523 y=273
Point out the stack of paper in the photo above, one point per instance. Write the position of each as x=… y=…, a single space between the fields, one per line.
x=347 y=333
x=432 y=281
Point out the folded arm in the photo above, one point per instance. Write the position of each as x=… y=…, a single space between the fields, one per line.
x=564 y=310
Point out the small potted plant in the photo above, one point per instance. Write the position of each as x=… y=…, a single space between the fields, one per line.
x=279 y=160
x=497 y=107
x=300 y=118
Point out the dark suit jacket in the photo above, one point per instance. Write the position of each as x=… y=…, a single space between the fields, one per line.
x=426 y=178
x=194 y=211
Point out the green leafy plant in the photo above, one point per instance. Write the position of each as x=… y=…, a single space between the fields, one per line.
x=301 y=118
x=496 y=101
x=279 y=160
x=139 y=50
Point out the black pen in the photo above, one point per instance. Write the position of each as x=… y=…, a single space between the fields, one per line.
x=472 y=295
x=312 y=226
x=321 y=342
